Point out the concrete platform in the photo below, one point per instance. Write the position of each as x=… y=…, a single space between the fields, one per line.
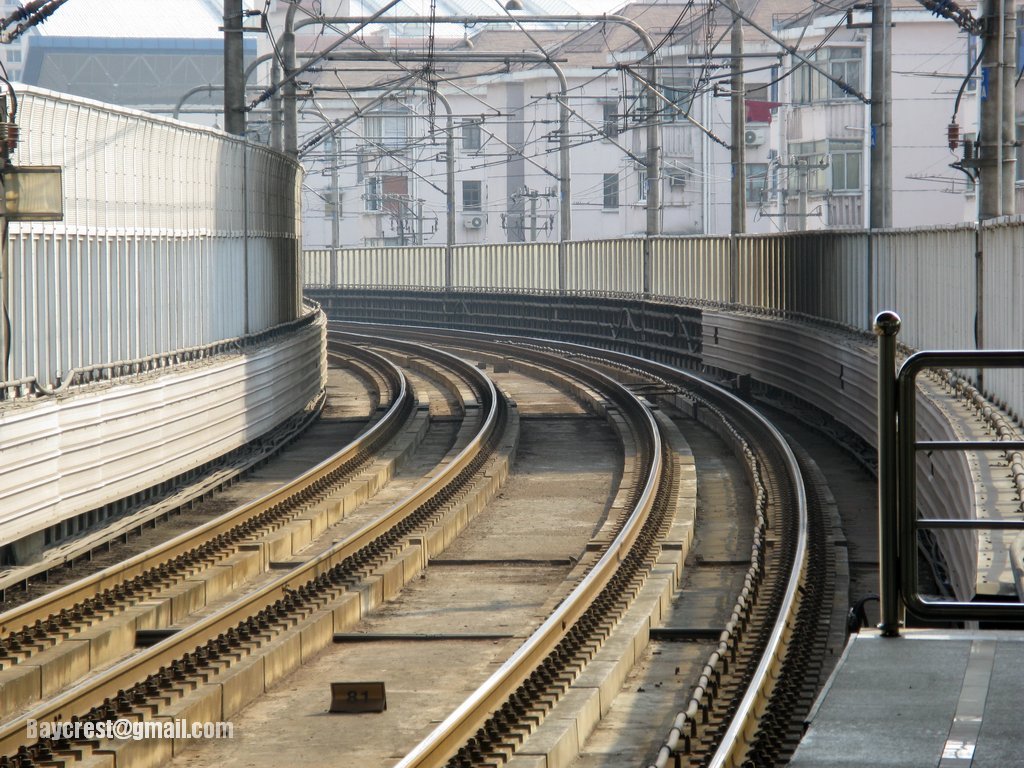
x=945 y=698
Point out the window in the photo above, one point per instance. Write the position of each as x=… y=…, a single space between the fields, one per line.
x=14 y=56
x=843 y=63
x=371 y=196
x=611 y=191
x=389 y=127
x=641 y=185
x=677 y=88
x=472 y=196
x=847 y=157
x=610 y=119
x=471 y=135
x=362 y=164
x=756 y=182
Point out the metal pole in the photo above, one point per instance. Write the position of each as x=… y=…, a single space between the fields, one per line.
x=291 y=112
x=5 y=261
x=1007 y=78
x=276 y=117
x=880 y=213
x=449 y=192
x=801 y=181
x=979 y=297
x=990 y=140
x=739 y=124
x=234 y=64
x=887 y=325
x=335 y=211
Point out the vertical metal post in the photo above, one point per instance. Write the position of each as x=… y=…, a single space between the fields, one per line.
x=880 y=215
x=739 y=124
x=276 y=116
x=335 y=210
x=5 y=289
x=990 y=138
x=291 y=114
x=887 y=325
x=801 y=189
x=565 y=179
x=5 y=258
x=653 y=174
x=1008 y=115
x=979 y=297
x=234 y=66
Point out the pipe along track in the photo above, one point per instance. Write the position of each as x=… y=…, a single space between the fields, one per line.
x=742 y=708
x=144 y=685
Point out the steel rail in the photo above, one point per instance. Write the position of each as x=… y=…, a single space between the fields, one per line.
x=732 y=749
x=122 y=676
x=467 y=718
x=42 y=608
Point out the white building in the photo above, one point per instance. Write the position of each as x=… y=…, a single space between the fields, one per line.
x=381 y=178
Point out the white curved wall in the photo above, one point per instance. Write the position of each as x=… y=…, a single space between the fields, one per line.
x=75 y=452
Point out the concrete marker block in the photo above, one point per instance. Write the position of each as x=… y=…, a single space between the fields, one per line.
x=62 y=665
x=242 y=685
x=19 y=686
x=347 y=612
x=109 y=640
x=281 y=657
x=316 y=636
x=145 y=753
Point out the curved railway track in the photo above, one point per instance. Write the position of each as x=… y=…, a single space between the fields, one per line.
x=197 y=651
x=743 y=705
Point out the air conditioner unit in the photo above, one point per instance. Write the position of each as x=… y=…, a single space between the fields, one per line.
x=755 y=137
x=473 y=221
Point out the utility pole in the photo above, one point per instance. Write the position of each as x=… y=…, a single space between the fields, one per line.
x=5 y=257
x=234 y=66
x=533 y=217
x=996 y=156
x=276 y=111
x=880 y=204
x=739 y=125
x=801 y=192
x=1008 y=82
x=335 y=201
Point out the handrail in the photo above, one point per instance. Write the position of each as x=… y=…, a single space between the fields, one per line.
x=908 y=523
x=121 y=369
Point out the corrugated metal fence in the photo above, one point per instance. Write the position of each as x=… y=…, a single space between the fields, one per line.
x=173 y=237
x=930 y=276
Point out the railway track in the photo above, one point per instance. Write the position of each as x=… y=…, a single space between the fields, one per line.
x=78 y=612
x=752 y=689
x=746 y=699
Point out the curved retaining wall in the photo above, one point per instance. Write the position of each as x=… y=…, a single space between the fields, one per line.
x=832 y=370
x=74 y=452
